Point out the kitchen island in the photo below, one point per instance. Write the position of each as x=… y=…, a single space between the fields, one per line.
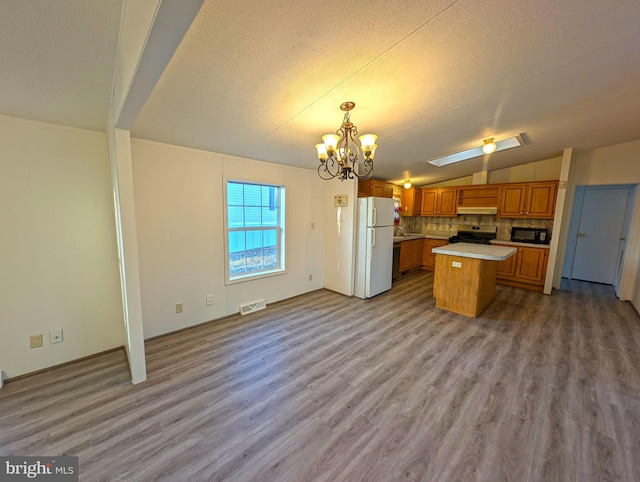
x=465 y=276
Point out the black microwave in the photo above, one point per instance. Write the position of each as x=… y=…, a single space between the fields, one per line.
x=530 y=235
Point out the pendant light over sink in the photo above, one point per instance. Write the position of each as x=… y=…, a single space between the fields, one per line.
x=340 y=155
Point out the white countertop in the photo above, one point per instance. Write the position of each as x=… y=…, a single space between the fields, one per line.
x=514 y=243
x=410 y=236
x=439 y=235
x=479 y=251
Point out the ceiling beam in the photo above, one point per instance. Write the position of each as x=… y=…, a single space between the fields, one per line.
x=150 y=33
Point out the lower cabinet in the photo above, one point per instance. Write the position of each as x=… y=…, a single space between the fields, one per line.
x=428 y=258
x=411 y=254
x=526 y=269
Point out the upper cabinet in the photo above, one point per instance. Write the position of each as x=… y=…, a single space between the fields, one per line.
x=374 y=187
x=514 y=200
x=528 y=200
x=439 y=202
x=411 y=202
x=478 y=196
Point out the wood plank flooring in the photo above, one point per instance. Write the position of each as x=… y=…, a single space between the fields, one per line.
x=328 y=388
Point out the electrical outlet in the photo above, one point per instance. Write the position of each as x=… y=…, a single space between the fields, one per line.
x=35 y=341
x=208 y=300
x=310 y=277
x=55 y=336
x=179 y=307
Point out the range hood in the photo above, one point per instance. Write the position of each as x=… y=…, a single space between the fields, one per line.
x=477 y=210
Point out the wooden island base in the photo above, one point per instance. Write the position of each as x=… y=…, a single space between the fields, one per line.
x=467 y=289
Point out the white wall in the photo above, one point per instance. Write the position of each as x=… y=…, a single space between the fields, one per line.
x=340 y=238
x=179 y=214
x=58 y=258
x=618 y=164
x=545 y=170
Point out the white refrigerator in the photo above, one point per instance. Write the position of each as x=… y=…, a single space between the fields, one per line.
x=374 y=253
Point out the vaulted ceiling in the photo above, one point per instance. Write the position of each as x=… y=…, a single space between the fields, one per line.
x=264 y=79
x=57 y=60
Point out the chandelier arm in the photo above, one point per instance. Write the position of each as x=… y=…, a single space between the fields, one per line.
x=368 y=170
x=325 y=169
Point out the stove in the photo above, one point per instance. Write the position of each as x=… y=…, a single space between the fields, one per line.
x=474 y=234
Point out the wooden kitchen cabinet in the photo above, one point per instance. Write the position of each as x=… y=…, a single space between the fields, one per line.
x=428 y=257
x=528 y=200
x=527 y=269
x=429 y=204
x=439 y=202
x=532 y=264
x=541 y=200
x=411 y=202
x=374 y=187
x=507 y=268
x=411 y=254
x=478 y=196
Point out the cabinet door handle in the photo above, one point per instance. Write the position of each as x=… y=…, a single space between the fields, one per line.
x=527 y=212
x=623 y=239
x=521 y=212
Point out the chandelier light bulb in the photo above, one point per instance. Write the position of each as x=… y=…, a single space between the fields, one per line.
x=367 y=141
x=331 y=142
x=407 y=184
x=322 y=152
x=489 y=146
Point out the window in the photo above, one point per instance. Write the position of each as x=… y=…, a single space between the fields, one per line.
x=255 y=229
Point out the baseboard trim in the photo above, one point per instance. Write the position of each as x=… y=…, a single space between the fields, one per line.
x=70 y=362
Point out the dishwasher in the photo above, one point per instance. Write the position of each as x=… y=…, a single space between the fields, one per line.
x=396 y=262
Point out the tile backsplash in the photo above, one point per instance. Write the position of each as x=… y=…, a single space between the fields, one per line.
x=446 y=225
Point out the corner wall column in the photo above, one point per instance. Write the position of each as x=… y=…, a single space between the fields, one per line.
x=119 y=144
x=560 y=226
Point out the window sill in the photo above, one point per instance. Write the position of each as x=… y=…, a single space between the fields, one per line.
x=256 y=276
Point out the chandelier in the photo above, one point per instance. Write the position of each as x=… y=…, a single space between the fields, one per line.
x=339 y=154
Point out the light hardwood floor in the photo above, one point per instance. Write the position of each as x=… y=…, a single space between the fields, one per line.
x=325 y=387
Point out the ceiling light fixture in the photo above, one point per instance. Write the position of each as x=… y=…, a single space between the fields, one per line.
x=407 y=183
x=489 y=146
x=339 y=154
x=508 y=143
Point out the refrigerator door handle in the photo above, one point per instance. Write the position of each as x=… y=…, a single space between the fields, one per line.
x=373 y=243
x=375 y=217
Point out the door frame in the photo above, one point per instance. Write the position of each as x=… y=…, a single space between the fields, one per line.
x=574 y=224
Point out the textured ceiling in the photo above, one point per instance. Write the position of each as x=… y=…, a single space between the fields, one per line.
x=265 y=79
x=57 y=60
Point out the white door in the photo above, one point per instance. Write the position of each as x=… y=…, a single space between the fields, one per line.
x=599 y=241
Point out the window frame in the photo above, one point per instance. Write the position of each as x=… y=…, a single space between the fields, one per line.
x=280 y=228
